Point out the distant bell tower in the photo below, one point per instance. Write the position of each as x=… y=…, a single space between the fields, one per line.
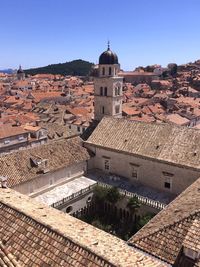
x=20 y=74
x=108 y=87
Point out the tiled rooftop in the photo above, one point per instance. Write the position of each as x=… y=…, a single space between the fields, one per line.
x=38 y=235
x=164 y=142
x=177 y=226
x=20 y=166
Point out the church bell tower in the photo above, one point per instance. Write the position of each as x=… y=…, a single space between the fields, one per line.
x=20 y=74
x=108 y=87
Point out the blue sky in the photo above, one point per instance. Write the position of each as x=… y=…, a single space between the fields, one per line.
x=142 y=32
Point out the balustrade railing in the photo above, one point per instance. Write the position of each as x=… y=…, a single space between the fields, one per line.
x=143 y=200
x=73 y=196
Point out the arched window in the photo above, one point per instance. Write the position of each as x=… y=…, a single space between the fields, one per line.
x=69 y=209
x=101 y=90
x=118 y=91
x=105 y=91
x=89 y=199
x=115 y=90
x=103 y=71
x=110 y=71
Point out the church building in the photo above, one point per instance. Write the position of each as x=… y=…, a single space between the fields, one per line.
x=108 y=87
x=20 y=74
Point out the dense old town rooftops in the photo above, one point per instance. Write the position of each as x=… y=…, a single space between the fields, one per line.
x=33 y=234
x=164 y=142
x=173 y=229
x=8 y=131
x=21 y=166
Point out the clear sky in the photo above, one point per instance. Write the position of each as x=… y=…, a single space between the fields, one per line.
x=36 y=33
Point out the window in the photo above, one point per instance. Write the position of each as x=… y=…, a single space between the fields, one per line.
x=101 y=90
x=70 y=126
x=116 y=109
x=134 y=172
x=115 y=90
x=168 y=180
x=118 y=90
x=102 y=110
x=78 y=129
x=50 y=182
x=167 y=183
x=105 y=91
x=69 y=209
x=103 y=71
x=106 y=164
x=110 y=71
x=89 y=199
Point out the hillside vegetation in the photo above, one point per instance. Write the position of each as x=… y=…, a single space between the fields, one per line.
x=76 y=68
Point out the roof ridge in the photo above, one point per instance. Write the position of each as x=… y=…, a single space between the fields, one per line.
x=190 y=216
x=103 y=248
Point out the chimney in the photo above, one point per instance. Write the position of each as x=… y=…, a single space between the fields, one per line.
x=3 y=180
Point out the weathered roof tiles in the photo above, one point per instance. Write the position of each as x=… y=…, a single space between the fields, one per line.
x=164 y=142
x=39 y=235
x=19 y=166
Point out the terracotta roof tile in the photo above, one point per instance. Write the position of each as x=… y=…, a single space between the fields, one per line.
x=8 y=131
x=41 y=236
x=176 y=226
x=20 y=166
x=164 y=142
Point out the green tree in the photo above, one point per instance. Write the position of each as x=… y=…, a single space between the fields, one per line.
x=144 y=220
x=133 y=204
x=100 y=193
x=113 y=195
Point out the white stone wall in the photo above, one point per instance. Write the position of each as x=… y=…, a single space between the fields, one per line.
x=13 y=140
x=47 y=180
x=149 y=172
x=79 y=203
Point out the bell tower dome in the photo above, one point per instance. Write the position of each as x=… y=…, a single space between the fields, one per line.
x=108 y=86
x=20 y=73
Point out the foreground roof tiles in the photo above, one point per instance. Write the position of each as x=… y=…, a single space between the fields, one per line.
x=175 y=227
x=164 y=142
x=38 y=235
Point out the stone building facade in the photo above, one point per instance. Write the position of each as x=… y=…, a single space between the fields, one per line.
x=156 y=155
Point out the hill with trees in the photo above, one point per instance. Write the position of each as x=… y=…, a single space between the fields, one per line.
x=76 y=68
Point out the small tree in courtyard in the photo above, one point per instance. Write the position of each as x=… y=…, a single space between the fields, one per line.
x=113 y=195
x=100 y=193
x=133 y=204
x=144 y=220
